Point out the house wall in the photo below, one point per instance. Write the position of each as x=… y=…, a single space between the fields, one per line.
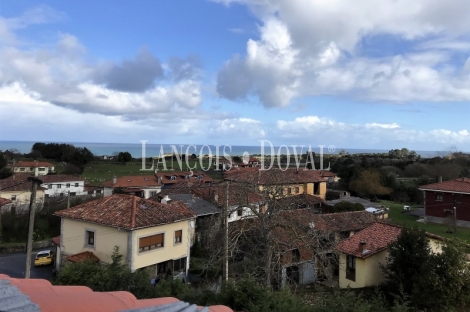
x=368 y=271
x=73 y=239
x=147 y=191
x=54 y=189
x=168 y=252
x=444 y=208
x=22 y=199
x=247 y=213
x=38 y=171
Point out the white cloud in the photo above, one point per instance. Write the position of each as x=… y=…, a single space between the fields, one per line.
x=311 y=48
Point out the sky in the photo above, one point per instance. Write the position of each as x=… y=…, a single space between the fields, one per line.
x=353 y=74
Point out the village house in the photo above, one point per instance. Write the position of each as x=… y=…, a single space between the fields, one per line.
x=282 y=182
x=35 y=167
x=362 y=254
x=150 y=235
x=62 y=185
x=329 y=176
x=170 y=178
x=446 y=200
x=17 y=189
x=144 y=186
x=242 y=202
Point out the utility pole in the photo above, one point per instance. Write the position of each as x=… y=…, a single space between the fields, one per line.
x=32 y=210
x=226 y=233
x=68 y=200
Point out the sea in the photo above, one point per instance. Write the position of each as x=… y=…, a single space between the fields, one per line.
x=137 y=149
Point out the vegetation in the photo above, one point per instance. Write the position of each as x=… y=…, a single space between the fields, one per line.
x=432 y=281
x=4 y=171
x=108 y=277
x=347 y=206
x=124 y=157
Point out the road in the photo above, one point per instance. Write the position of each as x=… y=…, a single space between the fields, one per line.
x=13 y=265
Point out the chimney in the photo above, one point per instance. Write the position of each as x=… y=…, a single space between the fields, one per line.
x=166 y=200
x=439 y=179
x=216 y=196
x=114 y=180
x=362 y=244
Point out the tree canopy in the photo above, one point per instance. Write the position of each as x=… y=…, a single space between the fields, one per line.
x=124 y=157
x=368 y=183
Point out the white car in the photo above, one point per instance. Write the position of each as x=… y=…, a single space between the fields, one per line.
x=406 y=208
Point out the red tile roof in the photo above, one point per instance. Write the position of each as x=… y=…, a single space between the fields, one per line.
x=327 y=174
x=376 y=237
x=237 y=195
x=33 y=164
x=134 y=181
x=56 y=240
x=80 y=257
x=53 y=178
x=128 y=212
x=182 y=176
x=17 y=182
x=273 y=176
x=461 y=185
x=4 y=201
x=52 y=298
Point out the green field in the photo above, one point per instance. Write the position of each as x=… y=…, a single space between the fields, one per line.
x=397 y=216
x=98 y=172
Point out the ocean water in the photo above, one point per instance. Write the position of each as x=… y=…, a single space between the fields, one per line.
x=135 y=149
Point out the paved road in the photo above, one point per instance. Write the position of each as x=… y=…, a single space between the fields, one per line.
x=14 y=266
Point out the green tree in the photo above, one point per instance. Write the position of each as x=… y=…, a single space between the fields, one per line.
x=108 y=277
x=347 y=206
x=368 y=183
x=124 y=157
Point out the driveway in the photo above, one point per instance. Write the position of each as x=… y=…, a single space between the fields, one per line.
x=416 y=212
x=13 y=265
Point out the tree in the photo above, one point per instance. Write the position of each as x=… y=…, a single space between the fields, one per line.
x=124 y=157
x=108 y=277
x=433 y=281
x=369 y=183
x=347 y=206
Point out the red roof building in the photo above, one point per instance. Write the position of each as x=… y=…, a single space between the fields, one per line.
x=444 y=199
x=35 y=167
x=30 y=295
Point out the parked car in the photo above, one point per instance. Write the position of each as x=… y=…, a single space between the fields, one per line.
x=44 y=257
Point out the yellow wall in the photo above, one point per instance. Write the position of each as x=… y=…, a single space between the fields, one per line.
x=322 y=190
x=169 y=250
x=368 y=271
x=73 y=239
x=23 y=197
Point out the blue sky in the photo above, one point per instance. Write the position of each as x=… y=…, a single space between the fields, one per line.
x=234 y=72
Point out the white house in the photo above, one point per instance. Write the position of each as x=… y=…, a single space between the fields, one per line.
x=62 y=185
x=36 y=167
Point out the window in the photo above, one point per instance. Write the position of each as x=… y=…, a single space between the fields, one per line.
x=178 y=236
x=13 y=197
x=22 y=169
x=67 y=185
x=240 y=212
x=31 y=169
x=179 y=265
x=439 y=196
x=297 y=190
x=151 y=242
x=73 y=193
x=76 y=184
x=351 y=268
x=289 y=191
x=49 y=186
x=98 y=192
x=47 y=195
x=152 y=193
x=42 y=169
x=59 y=185
x=457 y=198
x=295 y=255
x=173 y=178
x=90 y=192
x=90 y=238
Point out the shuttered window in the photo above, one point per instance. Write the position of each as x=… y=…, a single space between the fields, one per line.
x=178 y=236
x=151 y=242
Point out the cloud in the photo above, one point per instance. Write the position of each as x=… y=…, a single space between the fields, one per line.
x=135 y=75
x=313 y=48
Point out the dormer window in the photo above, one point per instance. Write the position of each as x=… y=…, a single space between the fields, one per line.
x=173 y=178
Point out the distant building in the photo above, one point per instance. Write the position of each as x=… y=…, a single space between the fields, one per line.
x=62 y=185
x=35 y=167
x=17 y=189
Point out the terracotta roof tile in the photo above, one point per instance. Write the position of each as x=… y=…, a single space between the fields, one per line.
x=57 y=298
x=457 y=185
x=273 y=176
x=133 y=181
x=80 y=257
x=238 y=194
x=33 y=164
x=128 y=212
x=17 y=182
x=376 y=237
x=172 y=177
x=56 y=240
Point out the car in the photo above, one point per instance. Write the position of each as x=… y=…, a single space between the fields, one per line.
x=44 y=257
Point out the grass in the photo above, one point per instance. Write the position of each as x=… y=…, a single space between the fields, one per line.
x=397 y=216
x=98 y=172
